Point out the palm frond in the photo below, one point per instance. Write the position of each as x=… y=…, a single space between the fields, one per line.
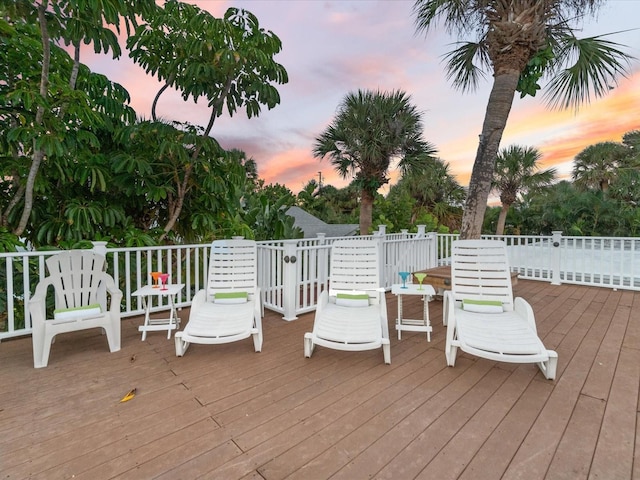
x=457 y=16
x=595 y=64
x=461 y=70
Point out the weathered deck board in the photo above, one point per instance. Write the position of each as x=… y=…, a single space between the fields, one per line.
x=228 y=412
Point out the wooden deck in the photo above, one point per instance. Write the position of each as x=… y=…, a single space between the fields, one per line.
x=226 y=412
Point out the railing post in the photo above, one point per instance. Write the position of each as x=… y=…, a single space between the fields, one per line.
x=289 y=280
x=556 y=253
x=323 y=265
x=100 y=248
x=421 y=231
x=432 y=258
x=379 y=237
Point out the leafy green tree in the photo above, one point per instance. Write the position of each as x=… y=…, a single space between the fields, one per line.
x=397 y=210
x=158 y=176
x=266 y=214
x=74 y=168
x=333 y=205
x=518 y=42
x=48 y=115
x=516 y=172
x=564 y=207
x=250 y=167
x=370 y=131
x=226 y=61
x=597 y=165
x=631 y=141
x=626 y=188
x=433 y=189
x=307 y=198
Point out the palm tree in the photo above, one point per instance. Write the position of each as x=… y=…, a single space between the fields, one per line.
x=515 y=173
x=597 y=165
x=369 y=132
x=435 y=189
x=519 y=42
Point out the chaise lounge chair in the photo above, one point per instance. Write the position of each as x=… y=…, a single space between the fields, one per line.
x=229 y=309
x=352 y=314
x=481 y=316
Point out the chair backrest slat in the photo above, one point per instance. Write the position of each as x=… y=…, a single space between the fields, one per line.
x=76 y=277
x=232 y=266
x=354 y=265
x=480 y=270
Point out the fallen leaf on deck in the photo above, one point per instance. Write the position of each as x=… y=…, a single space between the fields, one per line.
x=129 y=396
x=133 y=358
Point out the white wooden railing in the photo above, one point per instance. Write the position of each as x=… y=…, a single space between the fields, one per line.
x=611 y=262
x=292 y=273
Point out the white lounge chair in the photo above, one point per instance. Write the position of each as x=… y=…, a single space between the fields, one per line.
x=81 y=286
x=481 y=316
x=229 y=309
x=352 y=314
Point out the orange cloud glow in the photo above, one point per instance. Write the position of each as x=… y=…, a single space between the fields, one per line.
x=559 y=135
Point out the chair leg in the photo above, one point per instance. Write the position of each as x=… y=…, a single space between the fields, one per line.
x=386 y=350
x=181 y=345
x=550 y=366
x=308 y=345
x=257 y=341
x=37 y=339
x=451 y=352
x=113 y=337
x=48 y=340
x=451 y=346
x=451 y=349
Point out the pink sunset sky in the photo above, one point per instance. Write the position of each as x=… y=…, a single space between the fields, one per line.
x=331 y=48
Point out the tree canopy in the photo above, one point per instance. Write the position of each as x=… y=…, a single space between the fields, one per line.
x=370 y=131
x=77 y=164
x=519 y=43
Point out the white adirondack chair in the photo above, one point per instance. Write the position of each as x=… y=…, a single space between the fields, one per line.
x=352 y=314
x=481 y=315
x=229 y=309
x=81 y=286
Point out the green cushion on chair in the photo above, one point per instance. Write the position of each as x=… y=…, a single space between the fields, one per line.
x=482 y=306
x=77 y=312
x=352 y=299
x=231 y=298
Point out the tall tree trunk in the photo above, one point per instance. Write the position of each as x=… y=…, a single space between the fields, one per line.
x=38 y=154
x=495 y=120
x=174 y=214
x=366 y=211
x=502 y=219
x=17 y=185
x=73 y=79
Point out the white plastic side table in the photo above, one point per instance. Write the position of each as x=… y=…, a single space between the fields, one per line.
x=408 y=324
x=159 y=324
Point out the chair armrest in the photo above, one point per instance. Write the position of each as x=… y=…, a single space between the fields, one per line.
x=383 y=314
x=323 y=300
x=448 y=309
x=257 y=308
x=199 y=299
x=40 y=292
x=38 y=302
x=522 y=308
x=114 y=292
